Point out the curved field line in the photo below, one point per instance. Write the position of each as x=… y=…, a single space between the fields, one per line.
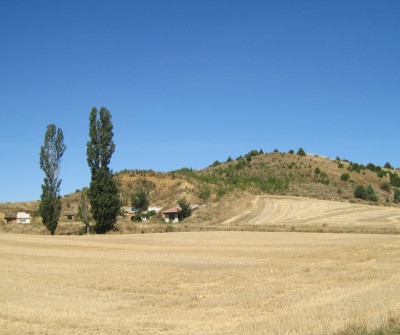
x=268 y=210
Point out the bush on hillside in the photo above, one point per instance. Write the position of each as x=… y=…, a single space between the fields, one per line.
x=372 y=196
x=345 y=177
x=291 y=151
x=385 y=186
x=361 y=192
x=397 y=195
x=205 y=192
x=394 y=179
x=388 y=166
x=381 y=173
x=301 y=152
x=216 y=163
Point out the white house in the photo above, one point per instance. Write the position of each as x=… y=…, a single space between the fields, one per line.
x=23 y=218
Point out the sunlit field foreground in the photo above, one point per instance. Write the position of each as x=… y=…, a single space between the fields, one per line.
x=197 y=283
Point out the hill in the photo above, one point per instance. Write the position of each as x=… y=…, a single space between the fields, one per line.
x=227 y=190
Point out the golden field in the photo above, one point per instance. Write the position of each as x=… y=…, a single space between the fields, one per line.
x=197 y=283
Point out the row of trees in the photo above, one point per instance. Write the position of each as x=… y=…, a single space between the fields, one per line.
x=103 y=191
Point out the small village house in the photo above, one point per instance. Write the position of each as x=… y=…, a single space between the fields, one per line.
x=23 y=218
x=171 y=215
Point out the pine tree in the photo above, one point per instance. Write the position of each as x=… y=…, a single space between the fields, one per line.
x=103 y=191
x=50 y=160
x=301 y=152
x=361 y=192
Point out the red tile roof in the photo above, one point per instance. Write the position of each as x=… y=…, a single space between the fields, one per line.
x=175 y=210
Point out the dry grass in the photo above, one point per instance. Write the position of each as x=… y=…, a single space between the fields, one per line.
x=197 y=283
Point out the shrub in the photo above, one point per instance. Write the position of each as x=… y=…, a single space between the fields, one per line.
x=205 y=192
x=185 y=209
x=301 y=152
x=385 y=186
x=216 y=163
x=361 y=192
x=381 y=173
x=397 y=195
x=317 y=170
x=388 y=166
x=394 y=179
x=354 y=167
x=371 y=193
x=345 y=177
x=276 y=150
x=221 y=192
x=323 y=179
x=229 y=159
x=371 y=167
x=149 y=214
x=291 y=151
x=253 y=152
x=340 y=165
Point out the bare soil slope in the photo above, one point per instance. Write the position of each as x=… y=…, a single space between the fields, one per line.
x=197 y=283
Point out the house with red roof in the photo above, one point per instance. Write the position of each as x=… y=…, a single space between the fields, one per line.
x=171 y=215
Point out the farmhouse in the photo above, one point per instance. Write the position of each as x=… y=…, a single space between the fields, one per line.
x=23 y=218
x=171 y=215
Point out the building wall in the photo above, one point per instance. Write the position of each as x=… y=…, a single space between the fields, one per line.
x=171 y=218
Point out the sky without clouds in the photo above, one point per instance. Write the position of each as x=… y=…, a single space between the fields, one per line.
x=189 y=82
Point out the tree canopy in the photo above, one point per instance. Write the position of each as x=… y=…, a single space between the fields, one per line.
x=50 y=160
x=103 y=191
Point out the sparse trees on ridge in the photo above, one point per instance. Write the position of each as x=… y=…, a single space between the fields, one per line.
x=103 y=191
x=50 y=159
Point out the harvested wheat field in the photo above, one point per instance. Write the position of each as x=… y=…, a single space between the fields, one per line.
x=197 y=283
x=278 y=213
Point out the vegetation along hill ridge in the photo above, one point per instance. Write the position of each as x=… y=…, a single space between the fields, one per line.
x=225 y=190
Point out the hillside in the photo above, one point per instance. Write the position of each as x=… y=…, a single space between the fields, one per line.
x=226 y=191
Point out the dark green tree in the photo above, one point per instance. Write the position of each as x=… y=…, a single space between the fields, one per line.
x=361 y=192
x=397 y=195
x=388 y=166
x=372 y=196
x=50 y=159
x=103 y=190
x=301 y=152
x=185 y=209
x=140 y=199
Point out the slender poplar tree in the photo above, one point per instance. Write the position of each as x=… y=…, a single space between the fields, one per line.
x=50 y=159
x=103 y=191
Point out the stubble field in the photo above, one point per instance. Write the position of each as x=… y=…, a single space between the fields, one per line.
x=197 y=283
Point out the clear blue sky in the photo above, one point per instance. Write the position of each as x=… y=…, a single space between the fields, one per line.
x=189 y=82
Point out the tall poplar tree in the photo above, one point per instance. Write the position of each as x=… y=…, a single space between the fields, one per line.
x=50 y=159
x=103 y=191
